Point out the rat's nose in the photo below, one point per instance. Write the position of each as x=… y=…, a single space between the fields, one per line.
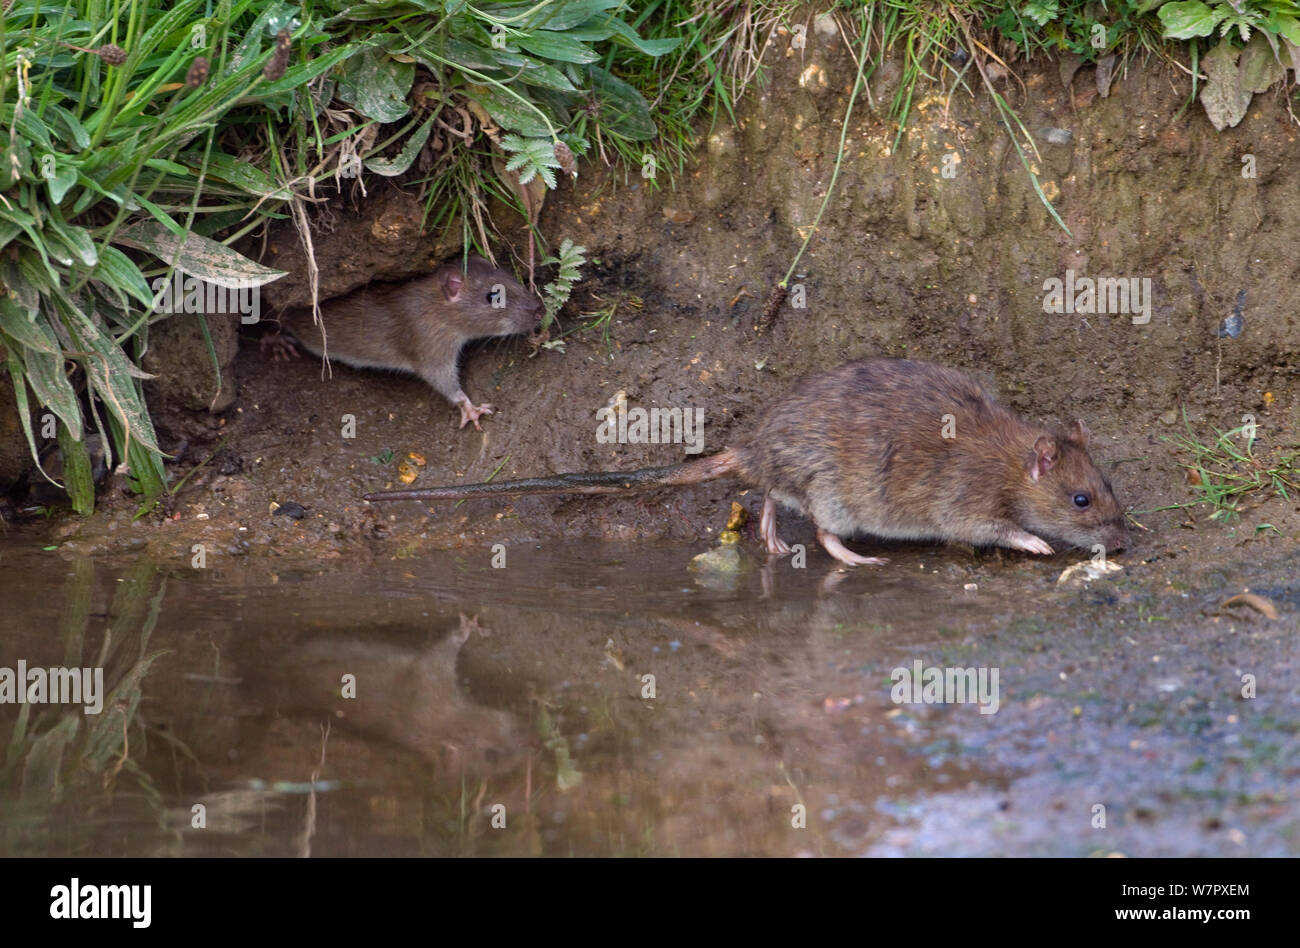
x=1117 y=538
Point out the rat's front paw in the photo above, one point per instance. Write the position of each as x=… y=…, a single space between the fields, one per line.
x=471 y=412
x=1022 y=540
x=278 y=347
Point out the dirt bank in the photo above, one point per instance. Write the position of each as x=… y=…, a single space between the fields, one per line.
x=907 y=261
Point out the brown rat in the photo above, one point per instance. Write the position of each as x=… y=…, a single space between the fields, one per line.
x=421 y=325
x=895 y=448
x=413 y=698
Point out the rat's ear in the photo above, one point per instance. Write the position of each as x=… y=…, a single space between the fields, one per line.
x=1079 y=434
x=452 y=281
x=1045 y=451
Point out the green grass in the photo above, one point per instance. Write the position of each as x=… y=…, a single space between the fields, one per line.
x=1233 y=468
x=720 y=54
x=602 y=320
x=138 y=137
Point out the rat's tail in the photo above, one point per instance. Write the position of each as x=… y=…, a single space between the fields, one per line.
x=722 y=464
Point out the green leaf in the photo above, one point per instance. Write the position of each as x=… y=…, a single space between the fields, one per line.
x=388 y=9
x=64 y=177
x=78 y=478
x=40 y=244
x=18 y=375
x=1190 y=18
x=651 y=47
x=1224 y=99
x=594 y=30
x=571 y=259
x=57 y=249
x=557 y=46
x=509 y=112
x=466 y=54
x=41 y=279
x=20 y=291
x=251 y=47
x=391 y=167
x=33 y=129
x=297 y=76
x=75 y=239
x=533 y=71
x=32 y=334
x=197 y=256
x=1287 y=27
x=169 y=167
x=15 y=162
x=376 y=85
x=242 y=174
x=75 y=130
x=110 y=377
x=94 y=191
x=147 y=475
x=569 y=15
x=1292 y=49
x=530 y=157
x=537 y=73
x=49 y=381
x=176 y=18
x=1042 y=12
x=119 y=271
x=158 y=214
x=622 y=109
x=1259 y=67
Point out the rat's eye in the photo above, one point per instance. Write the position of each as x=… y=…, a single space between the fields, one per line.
x=1082 y=501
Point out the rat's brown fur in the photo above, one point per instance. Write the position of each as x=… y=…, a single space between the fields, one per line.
x=895 y=448
x=420 y=326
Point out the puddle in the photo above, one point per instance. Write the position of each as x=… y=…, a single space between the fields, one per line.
x=607 y=700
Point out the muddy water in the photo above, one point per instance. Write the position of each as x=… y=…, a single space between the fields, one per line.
x=609 y=700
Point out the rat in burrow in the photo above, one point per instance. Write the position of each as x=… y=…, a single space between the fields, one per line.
x=419 y=326
x=895 y=448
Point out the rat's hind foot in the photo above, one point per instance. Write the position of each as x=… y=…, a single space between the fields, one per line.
x=767 y=529
x=1020 y=540
x=471 y=412
x=836 y=548
x=278 y=347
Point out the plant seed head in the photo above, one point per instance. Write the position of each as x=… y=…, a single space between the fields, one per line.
x=279 y=61
x=198 y=73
